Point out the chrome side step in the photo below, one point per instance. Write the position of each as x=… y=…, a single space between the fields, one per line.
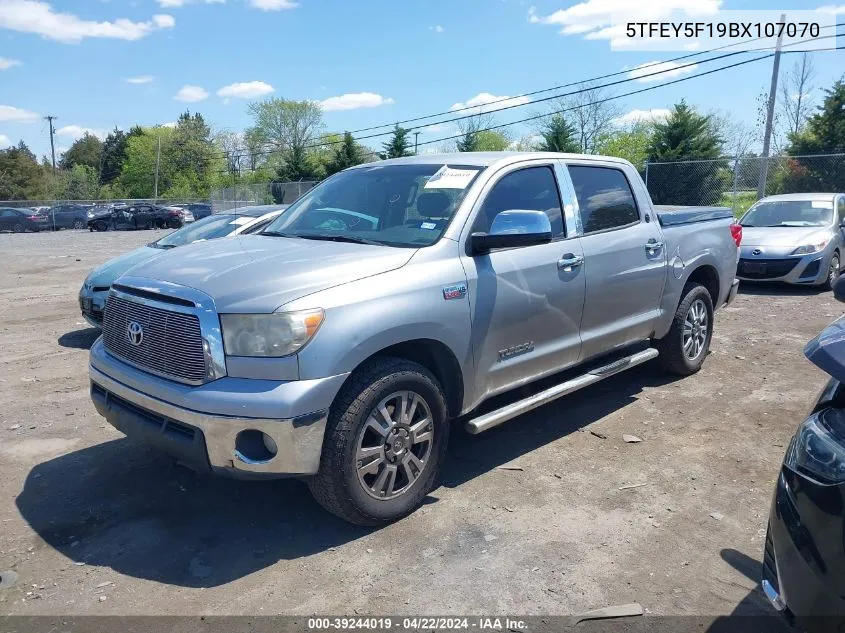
x=499 y=416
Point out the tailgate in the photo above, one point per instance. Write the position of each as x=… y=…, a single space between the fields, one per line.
x=672 y=215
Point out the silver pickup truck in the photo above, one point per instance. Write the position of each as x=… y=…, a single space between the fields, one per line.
x=395 y=297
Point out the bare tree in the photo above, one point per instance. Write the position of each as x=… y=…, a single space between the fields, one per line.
x=795 y=91
x=739 y=137
x=233 y=147
x=590 y=113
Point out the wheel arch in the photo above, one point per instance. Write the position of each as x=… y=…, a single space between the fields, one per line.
x=437 y=358
x=707 y=276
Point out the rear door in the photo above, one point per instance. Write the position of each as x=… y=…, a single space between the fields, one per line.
x=525 y=305
x=624 y=256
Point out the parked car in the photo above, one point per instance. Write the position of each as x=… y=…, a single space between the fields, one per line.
x=185 y=214
x=199 y=209
x=395 y=297
x=804 y=556
x=137 y=216
x=795 y=238
x=68 y=216
x=95 y=288
x=22 y=220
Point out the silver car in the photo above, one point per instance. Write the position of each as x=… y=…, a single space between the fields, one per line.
x=794 y=238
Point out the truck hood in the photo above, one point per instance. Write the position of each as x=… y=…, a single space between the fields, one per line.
x=259 y=274
x=106 y=274
x=783 y=235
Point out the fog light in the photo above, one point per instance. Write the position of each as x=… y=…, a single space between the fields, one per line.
x=255 y=447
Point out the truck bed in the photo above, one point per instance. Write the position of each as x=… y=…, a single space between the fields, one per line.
x=670 y=215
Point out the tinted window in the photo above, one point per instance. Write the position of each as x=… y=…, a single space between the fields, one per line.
x=841 y=209
x=605 y=199
x=534 y=188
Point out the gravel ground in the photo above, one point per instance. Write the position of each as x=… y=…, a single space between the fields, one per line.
x=93 y=523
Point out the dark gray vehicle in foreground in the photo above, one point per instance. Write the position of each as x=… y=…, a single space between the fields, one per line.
x=396 y=296
x=804 y=559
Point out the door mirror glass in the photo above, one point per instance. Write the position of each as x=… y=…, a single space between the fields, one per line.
x=513 y=228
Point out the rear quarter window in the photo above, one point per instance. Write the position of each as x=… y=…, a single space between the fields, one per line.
x=605 y=199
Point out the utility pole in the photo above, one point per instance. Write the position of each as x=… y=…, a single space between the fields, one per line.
x=49 y=119
x=416 y=142
x=767 y=138
x=158 y=160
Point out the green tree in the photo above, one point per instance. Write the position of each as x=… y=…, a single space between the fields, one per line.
x=21 y=177
x=297 y=164
x=347 y=154
x=686 y=135
x=398 y=146
x=80 y=182
x=137 y=177
x=113 y=155
x=192 y=150
x=823 y=134
x=87 y=150
x=285 y=125
x=491 y=141
x=558 y=135
x=632 y=144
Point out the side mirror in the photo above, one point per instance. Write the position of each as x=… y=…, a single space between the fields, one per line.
x=511 y=229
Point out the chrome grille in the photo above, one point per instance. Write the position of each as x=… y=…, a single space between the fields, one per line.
x=171 y=345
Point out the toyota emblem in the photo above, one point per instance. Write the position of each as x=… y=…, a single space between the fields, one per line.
x=756 y=251
x=135 y=333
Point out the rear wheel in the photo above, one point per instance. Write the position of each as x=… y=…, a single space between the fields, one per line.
x=78 y=224
x=101 y=226
x=832 y=271
x=18 y=227
x=684 y=348
x=385 y=440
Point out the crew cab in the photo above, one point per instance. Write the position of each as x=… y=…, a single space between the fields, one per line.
x=395 y=297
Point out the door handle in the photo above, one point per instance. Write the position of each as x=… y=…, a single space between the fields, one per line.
x=653 y=246
x=569 y=261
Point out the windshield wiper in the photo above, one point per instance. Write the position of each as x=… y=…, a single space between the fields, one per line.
x=339 y=238
x=276 y=234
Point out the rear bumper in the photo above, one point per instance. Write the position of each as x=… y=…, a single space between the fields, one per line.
x=732 y=292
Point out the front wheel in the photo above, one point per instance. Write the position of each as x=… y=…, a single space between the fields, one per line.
x=18 y=228
x=684 y=348
x=78 y=224
x=385 y=441
x=101 y=226
x=832 y=272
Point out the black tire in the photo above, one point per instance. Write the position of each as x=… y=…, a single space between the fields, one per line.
x=78 y=224
x=101 y=226
x=19 y=228
x=672 y=357
x=336 y=486
x=832 y=271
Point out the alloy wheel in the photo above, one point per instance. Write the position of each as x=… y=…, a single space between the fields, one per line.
x=695 y=330
x=394 y=446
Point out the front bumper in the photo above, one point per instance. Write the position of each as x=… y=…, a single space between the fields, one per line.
x=804 y=559
x=809 y=269
x=201 y=426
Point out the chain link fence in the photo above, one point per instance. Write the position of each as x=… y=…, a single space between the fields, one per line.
x=738 y=182
x=256 y=194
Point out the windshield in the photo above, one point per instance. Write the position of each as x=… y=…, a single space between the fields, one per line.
x=790 y=213
x=396 y=205
x=209 y=228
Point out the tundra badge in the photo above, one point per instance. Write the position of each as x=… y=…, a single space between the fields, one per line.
x=457 y=291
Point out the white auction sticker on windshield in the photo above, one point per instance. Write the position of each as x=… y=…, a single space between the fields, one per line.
x=448 y=178
x=240 y=221
x=822 y=204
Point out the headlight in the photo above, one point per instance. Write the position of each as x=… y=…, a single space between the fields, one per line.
x=277 y=334
x=810 y=248
x=817 y=449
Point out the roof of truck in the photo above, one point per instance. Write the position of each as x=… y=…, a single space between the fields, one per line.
x=485 y=159
x=800 y=196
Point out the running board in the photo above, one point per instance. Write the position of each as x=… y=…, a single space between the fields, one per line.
x=499 y=416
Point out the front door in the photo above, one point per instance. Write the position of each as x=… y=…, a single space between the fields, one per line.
x=526 y=305
x=624 y=259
